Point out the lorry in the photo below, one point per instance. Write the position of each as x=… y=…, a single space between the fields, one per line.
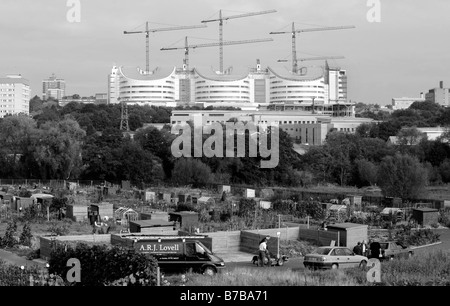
x=178 y=254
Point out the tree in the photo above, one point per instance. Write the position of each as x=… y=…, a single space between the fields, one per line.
x=368 y=171
x=26 y=235
x=191 y=171
x=36 y=104
x=58 y=151
x=402 y=176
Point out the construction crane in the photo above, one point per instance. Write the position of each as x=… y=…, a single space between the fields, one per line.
x=293 y=33
x=226 y=43
x=316 y=58
x=147 y=39
x=220 y=20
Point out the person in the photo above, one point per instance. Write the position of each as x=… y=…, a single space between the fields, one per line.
x=263 y=252
x=364 y=249
x=358 y=249
x=375 y=250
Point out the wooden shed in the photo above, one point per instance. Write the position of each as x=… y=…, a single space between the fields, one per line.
x=349 y=233
x=186 y=219
x=77 y=213
x=224 y=188
x=165 y=196
x=20 y=202
x=151 y=226
x=265 y=204
x=184 y=198
x=150 y=196
x=206 y=201
x=249 y=193
x=102 y=210
x=425 y=216
x=154 y=215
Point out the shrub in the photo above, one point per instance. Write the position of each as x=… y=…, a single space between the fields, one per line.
x=9 y=240
x=185 y=207
x=26 y=236
x=58 y=228
x=105 y=265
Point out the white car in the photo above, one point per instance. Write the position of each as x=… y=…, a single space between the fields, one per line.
x=334 y=258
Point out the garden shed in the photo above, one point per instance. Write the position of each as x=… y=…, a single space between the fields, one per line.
x=44 y=201
x=249 y=193
x=154 y=215
x=151 y=226
x=224 y=188
x=124 y=215
x=77 y=213
x=150 y=196
x=425 y=216
x=21 y=202
x=265 y=204
x=349 y=233
x=206 y=201
x=186 y=219
x=165 y=196
x=392 y=211
x=103 y=209
x=184 y=198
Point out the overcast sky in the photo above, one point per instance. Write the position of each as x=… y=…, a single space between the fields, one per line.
x=406 y=53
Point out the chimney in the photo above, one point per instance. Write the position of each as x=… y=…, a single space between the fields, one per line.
x=421 y=95
x=441 y=84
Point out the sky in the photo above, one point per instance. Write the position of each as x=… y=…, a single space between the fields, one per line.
x=403 y=53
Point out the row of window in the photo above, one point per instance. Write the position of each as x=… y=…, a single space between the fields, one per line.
x=296 y=92
x=222 y=97
x=212 y=92
x=148 y=91
x=222 y=86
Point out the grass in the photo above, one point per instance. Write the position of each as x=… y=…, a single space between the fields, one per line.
x=429 y=269
x=267 y=277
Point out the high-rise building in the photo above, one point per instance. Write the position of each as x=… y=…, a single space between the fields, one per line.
x=53 y=88
x=14 y=95
x=439 y=95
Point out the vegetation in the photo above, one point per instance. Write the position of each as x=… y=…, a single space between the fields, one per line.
x=104 y=266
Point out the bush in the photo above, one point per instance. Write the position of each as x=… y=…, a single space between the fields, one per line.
x=185 y=207
x=58 y=228
x=26 y=236
x=9 y=240
x=105 y=265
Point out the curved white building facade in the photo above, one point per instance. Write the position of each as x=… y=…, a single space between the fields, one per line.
x=249 y=89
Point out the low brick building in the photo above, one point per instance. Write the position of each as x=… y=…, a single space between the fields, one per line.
x=425 y=216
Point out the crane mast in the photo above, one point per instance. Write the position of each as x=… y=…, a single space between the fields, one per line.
x=147 y=38
x=220 y=20
x=293 y=34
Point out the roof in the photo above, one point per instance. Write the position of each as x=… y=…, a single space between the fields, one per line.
x=205 y=199
x=42 y=196
x=313 y=73
x=337 y=207
x=152 y=223
x=183 y=213
x=157 y=74
x=426 y=209
x=209 y=74
x=346 y=225
x=389 y=210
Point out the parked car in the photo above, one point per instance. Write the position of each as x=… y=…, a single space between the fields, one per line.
x=392 y=249
x=333 y=258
